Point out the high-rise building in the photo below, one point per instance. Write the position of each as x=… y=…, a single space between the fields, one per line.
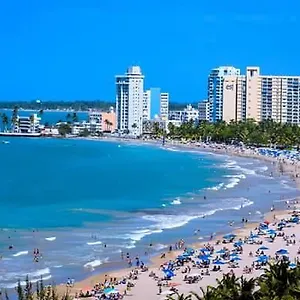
x=215 y=90
x=204 y=109
x=147 y=105
x=164 y=106
x=130 y=101
x=155 y=104
x=258 y=97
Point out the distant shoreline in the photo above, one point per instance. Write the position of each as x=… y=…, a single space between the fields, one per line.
x=48 y=110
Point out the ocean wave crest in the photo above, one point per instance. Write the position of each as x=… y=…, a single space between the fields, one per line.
x=20 y=253
x=176 y=202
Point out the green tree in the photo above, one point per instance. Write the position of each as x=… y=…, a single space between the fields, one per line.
x=84 y=133
x=4 y=121
x=64 y=129
x=75 y=117
x=28 y=292
x=20 y=291
x=279 y=282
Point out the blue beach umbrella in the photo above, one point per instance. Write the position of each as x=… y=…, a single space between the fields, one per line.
x=262 y=258
x=282 y=252
x=204 y=257
x=271 y=231
x=238 y=244
x=108 y=290
x=219 y=262
x=233 y=255
x=229 y=236
x=222 y=251
x=263 y=248
x=190 y=251
x=169 y=273
x=280 y=224
x=292 y=265
x=235 y=258
x=204 y=250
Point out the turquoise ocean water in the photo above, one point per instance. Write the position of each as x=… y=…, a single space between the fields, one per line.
x=82 y=202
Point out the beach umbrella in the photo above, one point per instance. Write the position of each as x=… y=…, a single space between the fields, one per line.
x=238 y=244
x=271 y=231
x=253 y=236
x=190 y=250
x=221 y=251
x=186 y=254
x=282 y=252
x=204 y=250
x=112 y=292
x=108 y=291
x=219 y=262
x=292 y=265
x=233 y=255
x=180 y=257
x=169 y=273
x=204 y=257
x=262 y=258
x=235 y=258
x=263 y=248
x=229 y=236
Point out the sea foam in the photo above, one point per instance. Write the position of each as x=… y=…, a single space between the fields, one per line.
x=94 y=243
x=51 y=239
x=176 y=202
x=95 y=263
x=20 y=253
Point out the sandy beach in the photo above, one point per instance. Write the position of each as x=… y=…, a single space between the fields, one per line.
x=146 y=287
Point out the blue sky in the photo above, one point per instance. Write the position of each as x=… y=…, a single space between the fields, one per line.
x=71 y=49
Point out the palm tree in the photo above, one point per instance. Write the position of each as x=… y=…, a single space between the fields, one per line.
x=279 y=282
x=31 y=118
x=179 y=297
x=75 y=117
x=108 y=124
x=4 y=121
x=209 y=294
x=68 y=117
x=14 y=117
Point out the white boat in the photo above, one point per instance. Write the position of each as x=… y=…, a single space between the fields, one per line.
x=5 y=142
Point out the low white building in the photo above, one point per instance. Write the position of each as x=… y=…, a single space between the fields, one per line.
x=189 y=113
x=27 y=124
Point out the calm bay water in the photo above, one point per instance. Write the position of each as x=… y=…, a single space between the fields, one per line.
x=83 y=202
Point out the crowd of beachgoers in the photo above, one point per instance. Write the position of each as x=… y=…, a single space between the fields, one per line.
x=245 y=252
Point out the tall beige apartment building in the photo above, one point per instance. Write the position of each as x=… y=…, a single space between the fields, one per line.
x=259 y=97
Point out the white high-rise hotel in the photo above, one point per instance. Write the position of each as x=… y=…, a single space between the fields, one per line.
x=238 y=97
x=129 y=101
x=134 y=106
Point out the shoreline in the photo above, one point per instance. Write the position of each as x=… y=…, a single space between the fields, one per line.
x=156 y=261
